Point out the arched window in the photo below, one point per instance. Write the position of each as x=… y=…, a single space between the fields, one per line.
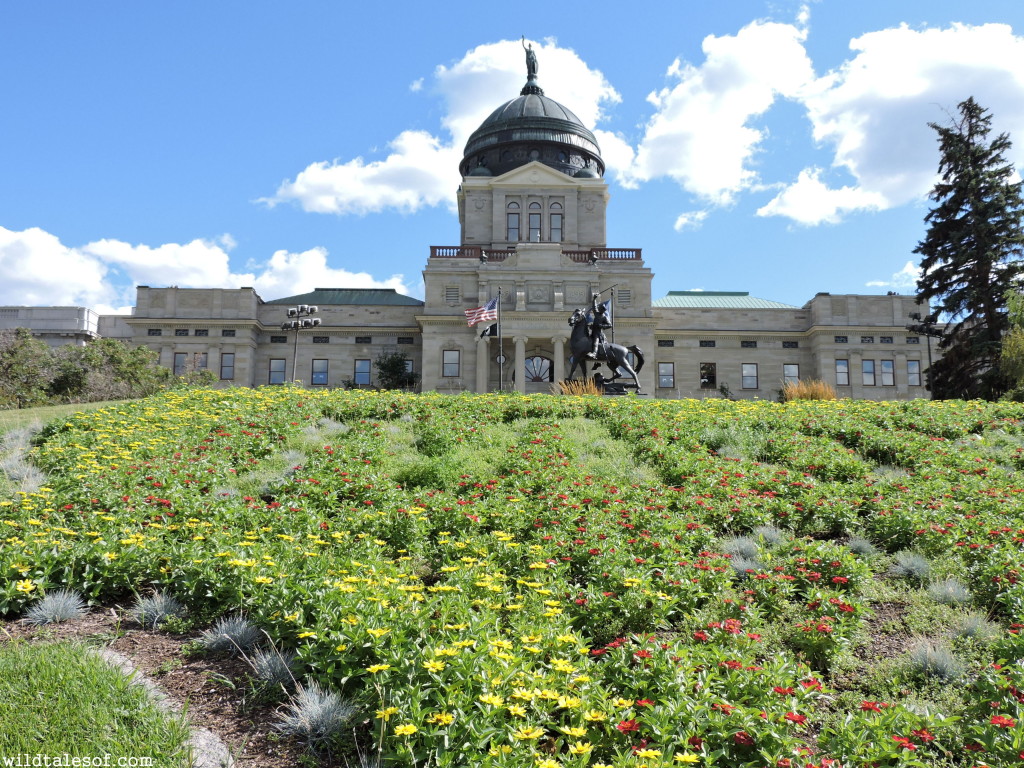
x=538 y=369
x=535 y=209
x=512 y=223
x=555 y=225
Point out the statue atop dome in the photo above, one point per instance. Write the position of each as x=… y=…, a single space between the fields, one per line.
x=531 y=60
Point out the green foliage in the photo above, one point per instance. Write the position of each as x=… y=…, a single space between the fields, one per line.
x=25 y=367
x=971 y=254
x=393 y=372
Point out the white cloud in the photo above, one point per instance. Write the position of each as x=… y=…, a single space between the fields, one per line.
x=874 y=110
x=810 y=201
x=286 y=274
x=690 y=220
x=421 y=169
x=701 y=134
x=904 y=281
x=39 y=270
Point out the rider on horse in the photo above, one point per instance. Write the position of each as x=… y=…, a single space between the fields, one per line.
x=597 y=326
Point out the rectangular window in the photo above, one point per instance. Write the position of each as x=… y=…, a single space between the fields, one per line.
x=791 y=345
x=867 y=339
x=202 y=331
x=885 y=339
x=706 y=343
x=364 y=339
x=181 y=331
x=914 y=373
x=179 y=363
x=227 y=366
x=278 y=339
x=839 y=339
x=450 y=363
x=842 y=373
x=913 y=339
x=405 y=340
x=867 y=368
x=749 y=378
x=321 y=339
x=201 y=360
x=708 y=377
x=888 y=371
x=666 y=375
x=556 y=227
x=362 y=372
x=155 y=332
x=534 y=227
x=790 y=373
x=512 y=227
x=277 y=371
x=666 y=343
x=319 y=373
x=228 y=332
x=748 y=344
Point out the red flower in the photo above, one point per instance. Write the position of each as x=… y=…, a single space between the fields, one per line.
x=871 y=706
x=644 y=703
x=643 y=654
x=812 y=685
x=743 y=739
x=782 y=691
x=695 y=741
x=1002 y=722
x=793 y=717
x=904 y=742
x=702 y=636
x=628 y=726
x=840 y=580
x=923 y=734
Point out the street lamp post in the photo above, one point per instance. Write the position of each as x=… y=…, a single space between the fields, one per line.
x=299 y=318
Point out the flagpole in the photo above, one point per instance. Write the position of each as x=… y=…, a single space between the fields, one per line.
x=501 y=349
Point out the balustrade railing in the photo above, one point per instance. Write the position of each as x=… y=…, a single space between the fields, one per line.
x=578 y=256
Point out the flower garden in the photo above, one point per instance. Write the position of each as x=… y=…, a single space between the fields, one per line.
x=546 y=581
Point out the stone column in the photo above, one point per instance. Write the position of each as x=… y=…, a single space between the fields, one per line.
x=558 y=342
x=483 y=367
x=520 y=364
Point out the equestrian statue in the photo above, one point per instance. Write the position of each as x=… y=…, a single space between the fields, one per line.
x=588 y=343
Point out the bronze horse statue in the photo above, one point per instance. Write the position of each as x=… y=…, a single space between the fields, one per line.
x=615 y=356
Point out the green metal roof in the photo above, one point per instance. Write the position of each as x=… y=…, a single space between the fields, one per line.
x=717 y=300
x=334 y=296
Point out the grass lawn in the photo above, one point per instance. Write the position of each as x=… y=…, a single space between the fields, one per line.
x=65 y=699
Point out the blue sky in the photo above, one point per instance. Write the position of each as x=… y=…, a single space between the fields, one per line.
x=776 y=147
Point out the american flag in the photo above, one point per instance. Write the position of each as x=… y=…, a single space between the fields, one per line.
x=488 y=311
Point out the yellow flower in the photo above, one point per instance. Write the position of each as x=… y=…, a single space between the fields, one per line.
x=405 y=730
x=595 y=716
x=517 y=710
x=548 y=762
x=434 y=666
x=441 y=718
x=374 y=669
x=490 y=698
x=649 y=753
x=385 y=714
x=25 y=586
x=527 y=734
x=263 y=580
x=687 y=758
x=304 y=635
x=574 y=730
x=581 y=748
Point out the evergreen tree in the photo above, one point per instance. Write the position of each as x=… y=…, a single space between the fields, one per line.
x=393 y=371
x=971 y=253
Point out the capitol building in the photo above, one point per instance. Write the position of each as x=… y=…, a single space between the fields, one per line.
x=533 y=205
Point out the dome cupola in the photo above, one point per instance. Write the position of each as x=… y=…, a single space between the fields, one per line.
x=532 y=127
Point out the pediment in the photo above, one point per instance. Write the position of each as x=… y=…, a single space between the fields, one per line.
x=535 y=174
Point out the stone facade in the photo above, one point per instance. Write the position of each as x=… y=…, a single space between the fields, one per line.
x=532 y=231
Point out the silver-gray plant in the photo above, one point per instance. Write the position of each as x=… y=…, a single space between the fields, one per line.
x=932 y=659
x=770 y=535
x=949 y=592
x=54 y=607
x=155 y=609
x=910 y=565
x=233 y=634
x=315 y=716
x=861 y=546
x=272 y=668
